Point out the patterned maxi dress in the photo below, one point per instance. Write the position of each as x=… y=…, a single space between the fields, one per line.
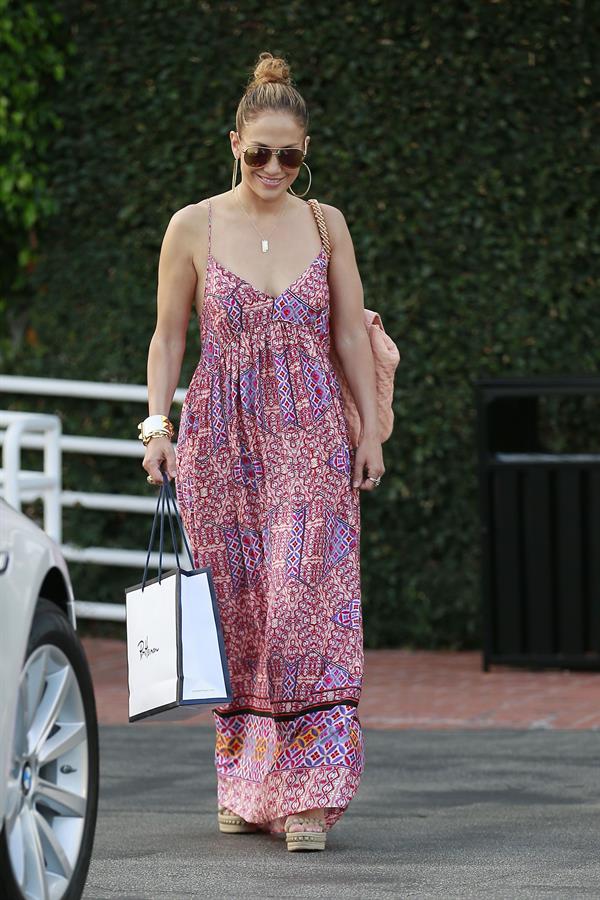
x=265 y=493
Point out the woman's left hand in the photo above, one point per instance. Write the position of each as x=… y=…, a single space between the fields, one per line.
x=368 y=460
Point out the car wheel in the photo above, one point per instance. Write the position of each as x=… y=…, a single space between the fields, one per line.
x=46 y=843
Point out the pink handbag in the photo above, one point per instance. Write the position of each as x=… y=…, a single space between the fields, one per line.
x=386 y=357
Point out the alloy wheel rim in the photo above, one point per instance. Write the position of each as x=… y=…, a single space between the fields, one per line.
x=48 y=782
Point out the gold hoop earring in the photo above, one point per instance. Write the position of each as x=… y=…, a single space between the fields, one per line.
x=309 y=184
x=235 y=171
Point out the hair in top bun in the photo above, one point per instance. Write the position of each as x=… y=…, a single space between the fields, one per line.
x=270 y=88
x=270 y=68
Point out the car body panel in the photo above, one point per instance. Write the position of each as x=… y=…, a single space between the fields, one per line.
x=27 y=556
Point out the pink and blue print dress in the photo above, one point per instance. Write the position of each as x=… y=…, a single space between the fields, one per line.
x=264 y=489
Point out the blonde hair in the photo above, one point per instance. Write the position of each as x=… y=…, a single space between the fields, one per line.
x=270 y=88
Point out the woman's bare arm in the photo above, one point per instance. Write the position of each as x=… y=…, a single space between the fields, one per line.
x=352 y=344
x=175 y=296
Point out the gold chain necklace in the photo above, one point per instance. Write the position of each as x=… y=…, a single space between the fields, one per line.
x=263 y=241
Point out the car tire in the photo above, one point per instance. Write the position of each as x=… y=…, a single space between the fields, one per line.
x=57 y=786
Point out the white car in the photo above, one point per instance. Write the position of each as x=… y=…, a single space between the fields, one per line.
x=48 y=726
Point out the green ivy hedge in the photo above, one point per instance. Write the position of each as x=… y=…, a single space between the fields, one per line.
x=460 y=141
x=33 y=48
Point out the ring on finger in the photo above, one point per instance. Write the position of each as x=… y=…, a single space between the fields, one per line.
x=376 y=481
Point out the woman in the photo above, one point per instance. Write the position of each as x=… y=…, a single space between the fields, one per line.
x=267 y=480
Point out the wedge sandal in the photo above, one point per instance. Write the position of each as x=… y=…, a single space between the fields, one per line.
x=313 y=839
x=231 y=823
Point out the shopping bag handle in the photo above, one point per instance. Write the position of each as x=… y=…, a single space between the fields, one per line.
x=166 y=496
x=160 y=507
x=174 y=514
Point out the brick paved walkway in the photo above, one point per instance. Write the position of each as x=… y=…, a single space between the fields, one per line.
x=421 y=689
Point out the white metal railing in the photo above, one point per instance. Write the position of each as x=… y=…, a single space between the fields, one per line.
x=18 y=484
x=38 y=431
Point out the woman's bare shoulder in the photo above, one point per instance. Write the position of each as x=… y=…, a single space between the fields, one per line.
x=332 y=213
x=192 y=215
x=191 y=222
x=335 y=221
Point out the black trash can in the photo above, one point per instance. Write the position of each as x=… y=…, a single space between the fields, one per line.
x=540 y=530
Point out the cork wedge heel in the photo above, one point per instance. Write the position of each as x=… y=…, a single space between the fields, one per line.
x=231 y=823
x=312 y=838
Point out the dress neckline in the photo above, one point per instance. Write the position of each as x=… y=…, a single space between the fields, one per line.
x=257 y=290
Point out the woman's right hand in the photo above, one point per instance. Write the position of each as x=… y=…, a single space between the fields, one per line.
x=160 y=452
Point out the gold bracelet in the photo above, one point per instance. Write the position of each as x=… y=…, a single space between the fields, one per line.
x=155 y=425
x=160 y=432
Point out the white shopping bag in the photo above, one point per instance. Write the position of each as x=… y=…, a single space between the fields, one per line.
x=175 y=652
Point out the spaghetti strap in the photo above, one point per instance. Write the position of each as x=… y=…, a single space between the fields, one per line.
x=209 y=225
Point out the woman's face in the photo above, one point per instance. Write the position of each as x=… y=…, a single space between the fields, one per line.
x=271 y=129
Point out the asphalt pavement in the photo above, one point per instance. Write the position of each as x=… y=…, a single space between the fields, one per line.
x=497 y=814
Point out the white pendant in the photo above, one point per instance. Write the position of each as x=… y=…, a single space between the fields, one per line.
x=265 y=246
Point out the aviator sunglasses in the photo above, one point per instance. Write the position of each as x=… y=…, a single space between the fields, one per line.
x=289 y=157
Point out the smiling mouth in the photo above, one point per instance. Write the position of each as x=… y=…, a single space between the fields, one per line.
x=272 y=180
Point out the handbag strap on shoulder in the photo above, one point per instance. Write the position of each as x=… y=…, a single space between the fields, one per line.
x=318 y=214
